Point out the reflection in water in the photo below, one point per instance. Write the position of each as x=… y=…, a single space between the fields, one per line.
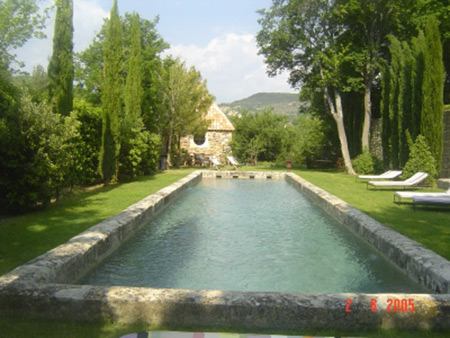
x=249 y=235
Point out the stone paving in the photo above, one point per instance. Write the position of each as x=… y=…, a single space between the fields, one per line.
x=41 y=288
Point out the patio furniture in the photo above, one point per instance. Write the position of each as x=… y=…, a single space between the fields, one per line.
x=413 y=181
x=215 y=162
x=200 y=160
x=400 y=195
x=233 y=162
x=388 y=175
x=431 y=201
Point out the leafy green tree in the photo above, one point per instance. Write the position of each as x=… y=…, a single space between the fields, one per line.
x=304 y=142
x=89 y=70
x=185 y=100
x=301 y=36
x=433 y=91
x=367 y=23
x=60 y=68
x=259 y=136
x=36 y=84
x=19 y=21
x=111 y=96
x=36 y=156
x=89 y=65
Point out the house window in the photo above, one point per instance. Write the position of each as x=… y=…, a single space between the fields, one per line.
x=200 y=139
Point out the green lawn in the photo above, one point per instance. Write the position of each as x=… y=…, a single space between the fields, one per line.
x=24 y=237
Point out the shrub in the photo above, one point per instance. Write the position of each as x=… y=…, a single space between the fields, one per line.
x=420 y=159
x=366 y=163
x=86 y=145
x=36 y=156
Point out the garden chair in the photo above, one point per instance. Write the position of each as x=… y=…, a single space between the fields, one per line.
x=443 y=201
x=388 y=175
x=399 y=195
x=413 y=181
x=215 y=162
x=200 y=160
x=233 y=162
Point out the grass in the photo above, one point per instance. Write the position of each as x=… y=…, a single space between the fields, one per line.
x=25 y=237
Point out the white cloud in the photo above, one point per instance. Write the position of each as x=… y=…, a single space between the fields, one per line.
x=232 y=67
x=87 y=19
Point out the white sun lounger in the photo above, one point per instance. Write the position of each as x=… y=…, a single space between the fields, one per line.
x=388 y=175
x=431 y=201
x=215 y=162
x=399 y=195
x=233 y=162
x=413 y=181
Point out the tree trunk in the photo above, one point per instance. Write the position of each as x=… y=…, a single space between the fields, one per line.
x=367 y=112
x=338 y=115
x=169 y=149
x=179 y=151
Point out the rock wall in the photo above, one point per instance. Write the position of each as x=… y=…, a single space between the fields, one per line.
x=376 y=146
x=445 y=172
x=217 y=143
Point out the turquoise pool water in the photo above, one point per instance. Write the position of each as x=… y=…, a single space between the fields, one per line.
x=249 y=235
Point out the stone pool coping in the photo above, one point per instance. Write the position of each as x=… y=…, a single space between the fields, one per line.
x=41 y=288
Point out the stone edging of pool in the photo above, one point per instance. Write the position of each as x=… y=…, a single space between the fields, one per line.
x=41 y=288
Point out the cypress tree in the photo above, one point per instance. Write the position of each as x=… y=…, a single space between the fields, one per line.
x=60 y=68
x=394 y=111
x=133 y=87
x=132 y=125
x=405 y=101
x=386 y=122
x=111 y=96
x=418 y=45
x=433 y=91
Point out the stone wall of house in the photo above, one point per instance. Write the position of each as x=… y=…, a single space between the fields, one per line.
x=376 y=146
x=217 y=143
x=445 y=172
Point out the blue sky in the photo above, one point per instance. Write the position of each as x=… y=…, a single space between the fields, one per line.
x=215 y=36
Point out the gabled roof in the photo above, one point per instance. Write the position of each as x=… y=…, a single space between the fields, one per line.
x=219 y=121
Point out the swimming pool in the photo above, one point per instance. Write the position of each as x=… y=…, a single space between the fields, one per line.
x=249 y=235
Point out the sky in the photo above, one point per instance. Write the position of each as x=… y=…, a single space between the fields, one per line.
x=217 y=37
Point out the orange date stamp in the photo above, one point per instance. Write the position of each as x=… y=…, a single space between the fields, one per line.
x=393 y=305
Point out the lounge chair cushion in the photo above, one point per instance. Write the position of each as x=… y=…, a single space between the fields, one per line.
x=410 y=182
x=445 y=200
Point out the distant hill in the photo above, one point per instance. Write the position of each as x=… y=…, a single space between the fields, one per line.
x=280 y=103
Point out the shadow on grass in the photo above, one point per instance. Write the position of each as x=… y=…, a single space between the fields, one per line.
x=27 y=236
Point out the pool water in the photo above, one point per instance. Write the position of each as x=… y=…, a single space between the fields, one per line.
x=248 y=235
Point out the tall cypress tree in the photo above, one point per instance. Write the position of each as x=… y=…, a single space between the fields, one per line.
x=132 y=124
x=60 y=68
x=418 y=46
x=386 y=122
x=405 y=102
x=133 y=86
x=111 y=96
x=433 y=91
x=394 y=107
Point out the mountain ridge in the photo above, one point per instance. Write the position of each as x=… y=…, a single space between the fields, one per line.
x=280 y=103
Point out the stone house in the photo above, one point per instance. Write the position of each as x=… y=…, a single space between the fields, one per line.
x=216 y=140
